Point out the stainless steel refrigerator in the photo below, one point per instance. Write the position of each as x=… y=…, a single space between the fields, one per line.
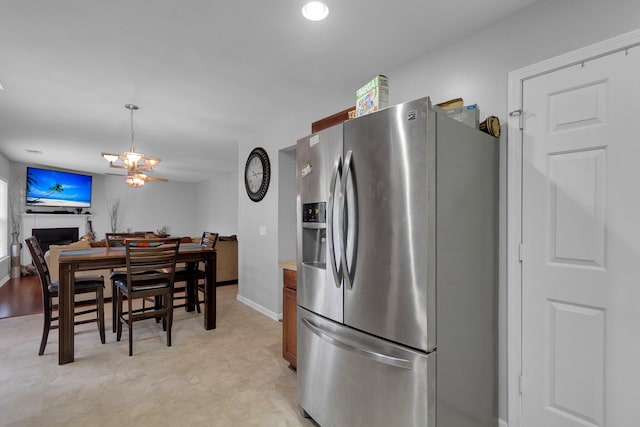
x=397 y=271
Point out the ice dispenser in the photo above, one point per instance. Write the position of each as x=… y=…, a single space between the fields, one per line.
x=314 y=234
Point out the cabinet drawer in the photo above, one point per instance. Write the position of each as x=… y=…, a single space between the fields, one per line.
x=289 y=279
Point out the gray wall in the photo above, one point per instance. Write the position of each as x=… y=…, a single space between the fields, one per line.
x=474 y=68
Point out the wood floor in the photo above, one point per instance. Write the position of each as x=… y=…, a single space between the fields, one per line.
x=19 y=297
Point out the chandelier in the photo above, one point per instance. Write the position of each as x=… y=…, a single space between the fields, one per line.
x=135 y=163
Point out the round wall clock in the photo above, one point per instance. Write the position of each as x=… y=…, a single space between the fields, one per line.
x=257 y=173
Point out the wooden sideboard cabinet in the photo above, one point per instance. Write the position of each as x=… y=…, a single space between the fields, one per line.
x=289 y=318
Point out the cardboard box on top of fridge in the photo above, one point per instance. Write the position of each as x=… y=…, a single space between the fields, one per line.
x=373 y=96
x=468 y=114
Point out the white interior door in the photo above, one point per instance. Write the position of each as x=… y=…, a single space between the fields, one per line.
x=581 y=244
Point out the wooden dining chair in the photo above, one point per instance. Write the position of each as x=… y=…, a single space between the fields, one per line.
x=150 y=273
x=115 y=240
x=50 y=290
x=191 y=273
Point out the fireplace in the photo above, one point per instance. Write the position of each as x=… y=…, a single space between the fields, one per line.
x=47 y=221
x=55 y=236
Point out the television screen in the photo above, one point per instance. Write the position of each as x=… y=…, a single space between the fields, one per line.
x=51 y=188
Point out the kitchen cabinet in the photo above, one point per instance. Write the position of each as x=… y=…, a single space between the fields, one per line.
x=333 y=119
x=289 y=330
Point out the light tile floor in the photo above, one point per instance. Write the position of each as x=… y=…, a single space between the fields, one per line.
x=231 y=376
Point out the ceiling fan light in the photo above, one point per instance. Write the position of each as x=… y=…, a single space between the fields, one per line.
x=134 y=181
x=315 y=11
x=133 y=157
x=110 y=157
x=133 y=161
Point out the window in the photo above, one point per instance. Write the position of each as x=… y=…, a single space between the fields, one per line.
x=4 y=215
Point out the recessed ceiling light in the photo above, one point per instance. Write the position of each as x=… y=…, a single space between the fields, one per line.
x=315 y=11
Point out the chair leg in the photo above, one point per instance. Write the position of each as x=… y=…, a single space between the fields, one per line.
x=169 y=314
x=45 y=329
x=100 y=307
x=113 y=305
x=130 y=324
x=157 y=304
x=197 y=297
x=119 y=315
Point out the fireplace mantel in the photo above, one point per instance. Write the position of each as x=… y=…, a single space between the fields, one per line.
x=43 y=220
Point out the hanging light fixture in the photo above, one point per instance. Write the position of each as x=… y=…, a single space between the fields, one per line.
x=133 y=161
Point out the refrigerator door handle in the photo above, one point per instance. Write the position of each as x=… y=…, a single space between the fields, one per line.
x=350 y=226
x=378 y=357
x=335 y=269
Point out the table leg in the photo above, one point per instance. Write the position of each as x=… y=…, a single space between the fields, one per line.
x=66 y=310
x=190 y=290
x=210 y=293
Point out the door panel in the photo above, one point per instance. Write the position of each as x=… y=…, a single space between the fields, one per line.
x=391 y=180
x=577 y=207
x=581 y=238
x=372 y=382
x=318 y=164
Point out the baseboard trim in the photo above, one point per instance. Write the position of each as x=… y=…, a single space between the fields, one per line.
x=257 y=307
x=4 y=280
x=502 y=423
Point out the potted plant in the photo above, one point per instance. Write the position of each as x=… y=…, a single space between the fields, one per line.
x=15 y=216
x=113 y=207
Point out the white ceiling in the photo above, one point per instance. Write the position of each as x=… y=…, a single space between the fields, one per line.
x=204 y=72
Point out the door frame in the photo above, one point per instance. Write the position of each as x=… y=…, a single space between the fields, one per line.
x=516 y=80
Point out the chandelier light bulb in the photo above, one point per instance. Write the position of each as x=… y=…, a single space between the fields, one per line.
x=315 y=11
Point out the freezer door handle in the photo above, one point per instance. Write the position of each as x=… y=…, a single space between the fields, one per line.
x=378 y=357
x=335 y=269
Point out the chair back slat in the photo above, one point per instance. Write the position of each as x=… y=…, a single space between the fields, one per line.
x=41 y=266
x=149 y=263
x=209 y=239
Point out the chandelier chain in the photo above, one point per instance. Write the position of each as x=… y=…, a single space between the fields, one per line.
x=133 y=145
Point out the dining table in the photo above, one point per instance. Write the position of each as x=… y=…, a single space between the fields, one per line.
x=99 y=258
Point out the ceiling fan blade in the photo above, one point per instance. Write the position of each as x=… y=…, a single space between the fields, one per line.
x=114 y=174
x=151 y=178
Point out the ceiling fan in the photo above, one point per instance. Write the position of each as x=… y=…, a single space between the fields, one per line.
x=135 y=163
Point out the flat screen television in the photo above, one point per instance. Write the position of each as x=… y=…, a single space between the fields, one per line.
x=57 y=189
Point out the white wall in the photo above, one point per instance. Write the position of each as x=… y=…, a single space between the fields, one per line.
x=5 y=263
x=474 y=68
x=148 y=208
x=217 y=206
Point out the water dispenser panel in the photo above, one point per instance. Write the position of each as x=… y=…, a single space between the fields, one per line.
x=314 y=212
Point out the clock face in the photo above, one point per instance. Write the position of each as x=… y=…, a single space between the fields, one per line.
x=254 y=174
x=257 y=173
